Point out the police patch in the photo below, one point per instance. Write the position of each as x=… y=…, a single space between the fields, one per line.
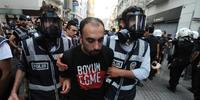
x=40 y=65
x=133 y=65
x=117 y=63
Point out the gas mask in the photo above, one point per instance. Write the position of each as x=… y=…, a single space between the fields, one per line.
x=134 y=19
x=50 y=27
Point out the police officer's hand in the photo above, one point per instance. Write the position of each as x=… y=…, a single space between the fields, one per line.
x=114 y=72
x=60 y=65
x=13 y=96
x=66 y=86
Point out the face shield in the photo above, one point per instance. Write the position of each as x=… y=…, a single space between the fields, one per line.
x=51 y=27
x=135 y=22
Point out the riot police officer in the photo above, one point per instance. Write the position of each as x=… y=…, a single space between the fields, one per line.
x=181 y=57
x=131 y=56
x=195 y=60
x=38 y=59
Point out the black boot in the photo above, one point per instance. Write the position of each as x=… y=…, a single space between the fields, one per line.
x=172 y=89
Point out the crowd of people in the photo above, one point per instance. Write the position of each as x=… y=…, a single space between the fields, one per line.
x=58 y=60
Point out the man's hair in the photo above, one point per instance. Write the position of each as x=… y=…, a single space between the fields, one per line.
x=87 y=20
x=71 y=23
x=149 y=28
x=113 y=29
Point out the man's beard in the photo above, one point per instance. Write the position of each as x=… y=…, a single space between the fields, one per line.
x=93 y=52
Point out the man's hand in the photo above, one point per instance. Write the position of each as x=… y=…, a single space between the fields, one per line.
x=13 y=96
x=114 y=72
x=60 y=65
x=66 y=86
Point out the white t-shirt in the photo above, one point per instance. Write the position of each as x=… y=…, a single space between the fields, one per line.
x=5 y=51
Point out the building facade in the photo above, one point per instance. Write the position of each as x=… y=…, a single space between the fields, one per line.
x=168 y=15
x=75 y=9
x=14 y=8
x=171 y=15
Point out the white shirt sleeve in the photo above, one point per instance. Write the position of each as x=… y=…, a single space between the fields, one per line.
x=143 y=71
x=5 y=51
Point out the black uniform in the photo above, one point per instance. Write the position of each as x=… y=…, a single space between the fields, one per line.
x=196 y=72
x=182 y=53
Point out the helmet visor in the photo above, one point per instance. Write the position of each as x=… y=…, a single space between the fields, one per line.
x=135 y=21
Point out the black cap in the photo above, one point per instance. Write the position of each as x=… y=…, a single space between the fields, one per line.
x=22 y=17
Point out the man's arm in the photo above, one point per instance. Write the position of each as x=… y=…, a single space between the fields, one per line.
x=116 y=72
x=143 y=71
x=61 y=66
x=139 y=73
x=64 y=80
x=18 y=78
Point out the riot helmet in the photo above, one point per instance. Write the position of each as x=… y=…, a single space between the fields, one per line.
x=134 y=20
x=183 y=32
x=157 y=33
x=50 y=23
x=195 y=34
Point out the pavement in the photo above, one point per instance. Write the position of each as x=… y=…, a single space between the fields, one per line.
x=156 y=89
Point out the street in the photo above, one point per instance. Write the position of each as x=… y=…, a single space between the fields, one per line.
x=156 y=89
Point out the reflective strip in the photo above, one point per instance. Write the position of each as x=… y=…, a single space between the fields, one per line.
x=112 y=43
x=136 y=58
x=127 y=87
x=42 y=57
x=31 y=47
x=123 y=56
x=43 y=88
x=108 y=80
x=119 y=55
x=37 y=58
x=141 y=48
x=2 y=40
